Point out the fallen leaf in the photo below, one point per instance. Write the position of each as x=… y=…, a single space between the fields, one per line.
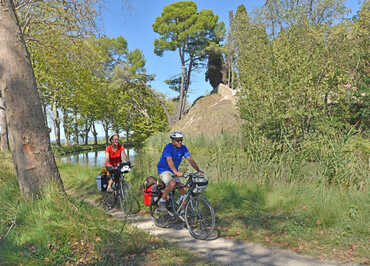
x=46 y=259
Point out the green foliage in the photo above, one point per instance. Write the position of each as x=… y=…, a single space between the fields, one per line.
x=303 y=81
x=215 y=70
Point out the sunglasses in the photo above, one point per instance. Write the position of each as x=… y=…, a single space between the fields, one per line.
x=178 y=140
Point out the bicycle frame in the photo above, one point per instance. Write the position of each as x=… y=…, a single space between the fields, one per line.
x=198 y=215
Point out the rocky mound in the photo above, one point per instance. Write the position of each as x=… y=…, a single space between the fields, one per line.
x=212 y=115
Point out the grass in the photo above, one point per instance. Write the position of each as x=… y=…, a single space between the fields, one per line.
x=289 y=200
x=61 y=229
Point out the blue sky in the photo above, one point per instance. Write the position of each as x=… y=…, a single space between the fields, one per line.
x=134 y=22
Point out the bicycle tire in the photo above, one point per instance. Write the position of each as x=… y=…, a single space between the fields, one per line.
x=160 y=219
x=199 y=217
x=124 y=202
x=108 y=201
x=133 y=201
x=128 y=202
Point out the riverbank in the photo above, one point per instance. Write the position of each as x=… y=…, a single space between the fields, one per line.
x=62 y=230
x=71 y=149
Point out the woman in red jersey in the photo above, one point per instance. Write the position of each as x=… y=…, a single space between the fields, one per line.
x=114 y=154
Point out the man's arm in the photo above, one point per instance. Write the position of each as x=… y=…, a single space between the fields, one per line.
x=172 y=166
x=193 y=164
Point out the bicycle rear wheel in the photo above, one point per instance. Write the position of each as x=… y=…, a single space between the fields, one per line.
x=199 y=217
x=160 y=218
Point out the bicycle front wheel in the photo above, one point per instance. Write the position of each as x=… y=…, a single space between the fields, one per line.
x=128 y=202
x=199 y=217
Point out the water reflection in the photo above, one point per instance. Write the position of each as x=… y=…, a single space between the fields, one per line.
x=92 y=158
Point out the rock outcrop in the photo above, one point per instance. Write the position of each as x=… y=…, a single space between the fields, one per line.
x=212 y=115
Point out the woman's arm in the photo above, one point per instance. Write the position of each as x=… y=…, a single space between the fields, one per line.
x=124 y=156
x=107 y=163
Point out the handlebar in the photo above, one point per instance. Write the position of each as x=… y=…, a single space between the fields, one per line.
x=187 y=174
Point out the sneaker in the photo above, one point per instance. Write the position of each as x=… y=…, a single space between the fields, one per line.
x=162 y=206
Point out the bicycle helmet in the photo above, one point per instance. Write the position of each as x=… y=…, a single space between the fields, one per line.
x=176 y=134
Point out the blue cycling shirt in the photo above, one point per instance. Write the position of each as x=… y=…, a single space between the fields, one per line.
x=175 y=153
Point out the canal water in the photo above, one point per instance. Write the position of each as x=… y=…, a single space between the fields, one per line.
x=92 y=158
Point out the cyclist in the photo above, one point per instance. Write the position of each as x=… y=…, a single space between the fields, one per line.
x=169 y=164
x=114 y=154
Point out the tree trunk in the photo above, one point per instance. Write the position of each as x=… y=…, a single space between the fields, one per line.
x=127 y=140
x=182 y=88
x=67 y=136
x=4 y=144
x=95 y=134
x=28 y=136
x=56 y=122
x=75 y=123
x=106 y=128
x=87 y=130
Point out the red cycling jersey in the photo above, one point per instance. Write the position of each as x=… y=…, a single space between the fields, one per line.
x=114 y=156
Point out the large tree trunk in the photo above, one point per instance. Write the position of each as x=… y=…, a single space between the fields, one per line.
x=4 y=144
x=28 y=136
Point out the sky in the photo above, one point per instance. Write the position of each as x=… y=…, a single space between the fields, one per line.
x=134 y=21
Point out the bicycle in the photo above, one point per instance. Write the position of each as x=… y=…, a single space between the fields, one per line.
x=122 y=191
x=198 y=215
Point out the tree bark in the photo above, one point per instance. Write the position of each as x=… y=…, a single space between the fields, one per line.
x=4 y=144
x=28 y=136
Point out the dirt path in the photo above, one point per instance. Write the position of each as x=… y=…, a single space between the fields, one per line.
x=223 y=251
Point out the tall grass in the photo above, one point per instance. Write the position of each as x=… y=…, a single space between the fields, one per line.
x=313 y=199
x=59 y=229
x=235 y=158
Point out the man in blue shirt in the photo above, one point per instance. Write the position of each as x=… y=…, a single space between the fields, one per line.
x=169 y=164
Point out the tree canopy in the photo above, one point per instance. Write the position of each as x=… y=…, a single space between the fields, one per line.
x=181 y=27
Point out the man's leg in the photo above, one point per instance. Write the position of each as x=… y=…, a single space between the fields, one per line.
x=166 y=177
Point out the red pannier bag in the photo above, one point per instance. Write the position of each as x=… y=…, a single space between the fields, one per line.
x=147 y=189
